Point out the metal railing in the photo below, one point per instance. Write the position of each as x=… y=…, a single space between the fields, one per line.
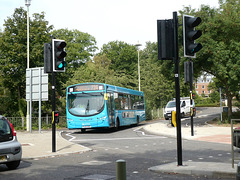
x=20 y=123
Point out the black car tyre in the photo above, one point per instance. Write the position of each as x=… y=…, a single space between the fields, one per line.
x=13 y=165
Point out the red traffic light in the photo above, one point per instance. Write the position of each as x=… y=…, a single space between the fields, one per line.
x=193 y=95
x=56 y=114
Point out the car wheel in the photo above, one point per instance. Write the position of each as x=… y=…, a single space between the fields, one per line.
x=13 y=165
x=182 y=115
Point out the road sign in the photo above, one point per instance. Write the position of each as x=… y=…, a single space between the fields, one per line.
x=36 y=84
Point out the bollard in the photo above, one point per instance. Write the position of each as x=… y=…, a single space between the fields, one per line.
x=121 y=170
x=238 y=172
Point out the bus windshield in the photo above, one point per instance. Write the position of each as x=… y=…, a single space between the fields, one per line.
x=85 y=104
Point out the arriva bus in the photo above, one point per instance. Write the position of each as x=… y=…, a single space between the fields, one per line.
x=97 y=105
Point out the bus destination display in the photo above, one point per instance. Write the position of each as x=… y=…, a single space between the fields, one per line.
x=93 y=87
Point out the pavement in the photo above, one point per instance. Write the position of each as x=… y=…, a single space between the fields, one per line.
x=37 y=145
x=207 y=133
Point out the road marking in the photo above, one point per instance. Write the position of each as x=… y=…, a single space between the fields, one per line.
x=95 y=162
x=114 y=139
x=98 y=176
x=137 y=130
x=72 y=137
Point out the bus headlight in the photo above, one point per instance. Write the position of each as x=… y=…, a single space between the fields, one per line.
x=103 y=118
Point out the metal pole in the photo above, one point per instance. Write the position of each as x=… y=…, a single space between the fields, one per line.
x=53 y=109
x=28 y=118
x=121 y=170
x=191 y=89
x=177 y=88
x=40 y=100
x=27 y=36
x=28 y=102
x=138 y=73
x=139 y=77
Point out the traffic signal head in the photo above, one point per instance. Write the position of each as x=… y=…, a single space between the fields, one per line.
x=190 y=35
x=193 y=95
x=56 y=116
x=59 y=54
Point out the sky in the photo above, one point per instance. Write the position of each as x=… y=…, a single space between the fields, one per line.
x=131 y=21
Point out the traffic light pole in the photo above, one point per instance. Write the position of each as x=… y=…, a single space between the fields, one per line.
x=191 y=93
x=53 y=109
x=177 y=88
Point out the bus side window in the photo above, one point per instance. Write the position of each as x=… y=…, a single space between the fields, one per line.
x=132 y=100
x=117 y=101
x=126 y=102
x=141 y=106
x=121 y=101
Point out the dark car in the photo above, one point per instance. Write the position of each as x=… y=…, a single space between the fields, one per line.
x=236 y=137
x=10 y=148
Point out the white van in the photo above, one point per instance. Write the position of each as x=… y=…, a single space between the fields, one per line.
x=185 y=108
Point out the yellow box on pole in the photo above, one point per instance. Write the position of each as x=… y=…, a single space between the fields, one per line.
x=174 y=119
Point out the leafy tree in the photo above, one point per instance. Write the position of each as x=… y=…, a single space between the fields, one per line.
x=98 y=70
x=13 y=55
x=123 y=58
x=93 y=71
x=80 y=47
x=220 y=54
x=80 y=50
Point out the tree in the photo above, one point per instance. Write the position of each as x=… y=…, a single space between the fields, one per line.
x=80 y=47
x=80 y=50
x=158 y=90
x=96 y=70
x=220 y=55
x=13 y=55
x=123 y=57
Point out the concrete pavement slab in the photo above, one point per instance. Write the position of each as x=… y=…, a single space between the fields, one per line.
x=207 y=133
x=208 y=169
x=39 y=145
x=202 y=133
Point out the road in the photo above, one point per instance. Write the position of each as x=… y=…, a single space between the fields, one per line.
x=203 y=115
x=139 y=149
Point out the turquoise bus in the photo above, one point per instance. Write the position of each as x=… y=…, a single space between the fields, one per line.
x=98 y=105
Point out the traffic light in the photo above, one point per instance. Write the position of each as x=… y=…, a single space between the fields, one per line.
x=193 y=95
x=56 y=117
x=190 y=35
x=47 y=58
x=59 y=55
x=165 y=39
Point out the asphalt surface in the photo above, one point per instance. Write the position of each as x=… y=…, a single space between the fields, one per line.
x=37 y=145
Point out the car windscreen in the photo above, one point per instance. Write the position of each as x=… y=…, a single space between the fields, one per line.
x=5 y=131
x=171 y=104
x=85 y=104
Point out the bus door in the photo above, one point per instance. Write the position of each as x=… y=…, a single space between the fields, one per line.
x=110 y=108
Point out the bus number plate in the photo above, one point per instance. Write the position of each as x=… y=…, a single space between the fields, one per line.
x=86 y=126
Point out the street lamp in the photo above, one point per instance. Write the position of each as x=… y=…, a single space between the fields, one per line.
x=29 y=103
x=137 y=45
x=27 y=3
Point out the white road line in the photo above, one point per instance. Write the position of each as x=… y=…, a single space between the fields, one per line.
x=137 y=130
x=115 y=139
x=72 y=137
